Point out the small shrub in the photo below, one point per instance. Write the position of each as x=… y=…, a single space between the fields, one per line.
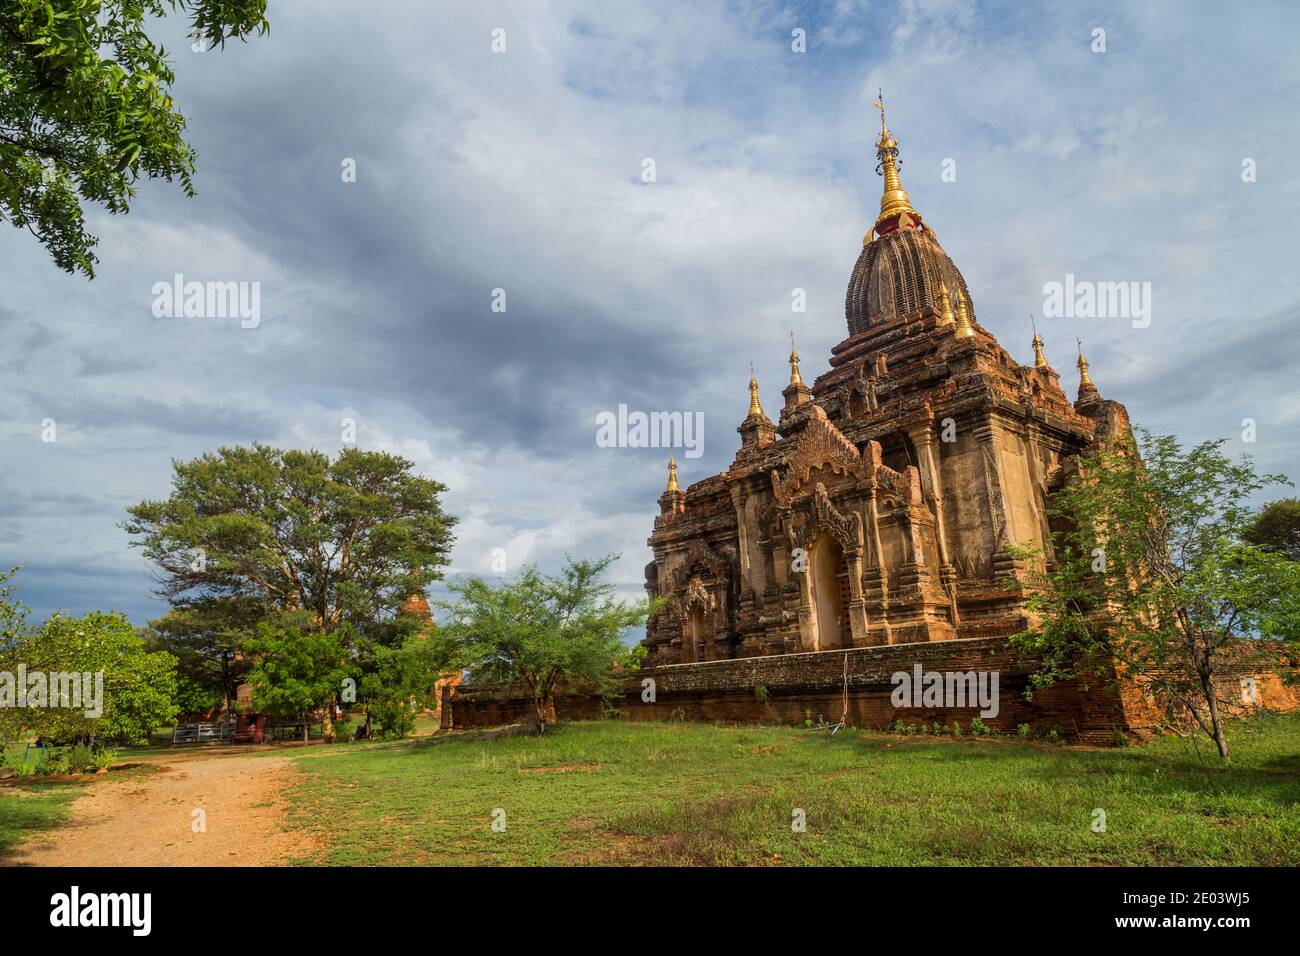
x=1121 y=738
x=897 y=727
x=103 y=758
x=21 y=767
x=80 y=758
x=761 y=693
x=1022 y=731
x=344 y=731
x=53 y=763
x=1054 y=736
x=678 y=715
x=956 y=729
x=978 y=728
x=392 y=719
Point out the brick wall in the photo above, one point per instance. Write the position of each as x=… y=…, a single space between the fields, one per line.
x=791 y=688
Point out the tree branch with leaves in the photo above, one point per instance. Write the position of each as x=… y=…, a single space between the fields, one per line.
x=541 y=631
x=1152 y=576
x=86 y=110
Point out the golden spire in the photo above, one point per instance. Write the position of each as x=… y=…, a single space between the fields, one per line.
x=947 y=318
x=795 y=377
x=672 y=475
x=964 y=328
x=1085 y=379
x=894 y=201
x=755 y=406
x=1040 y=360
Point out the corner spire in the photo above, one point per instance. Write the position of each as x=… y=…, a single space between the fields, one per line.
x=1085 y=380
x=757 y=429
x=964 y=329
x=896 y=210
x=796 y=393
x=1040 y=360
x=795 y=377
x=755 y=406
x=673 y=500
x=947 y=318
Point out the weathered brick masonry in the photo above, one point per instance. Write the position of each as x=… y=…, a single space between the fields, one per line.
x=792 y=688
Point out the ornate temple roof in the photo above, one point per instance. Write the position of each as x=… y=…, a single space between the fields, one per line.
x=902 y=268
x=901 y=272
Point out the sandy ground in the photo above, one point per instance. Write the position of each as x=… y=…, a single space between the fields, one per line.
x=148 y=821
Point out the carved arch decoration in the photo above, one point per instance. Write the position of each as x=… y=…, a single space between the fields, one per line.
x=708 y=580
x=808 y=520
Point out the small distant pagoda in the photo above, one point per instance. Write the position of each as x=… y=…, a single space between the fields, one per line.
x=887 y=503
x=417 y=606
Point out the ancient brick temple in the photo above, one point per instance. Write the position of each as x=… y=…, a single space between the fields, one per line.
x=884 y=504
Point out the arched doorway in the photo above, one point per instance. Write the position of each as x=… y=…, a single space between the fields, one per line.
x=827 y=566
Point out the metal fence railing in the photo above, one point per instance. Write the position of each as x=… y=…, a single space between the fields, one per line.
x=203 y=733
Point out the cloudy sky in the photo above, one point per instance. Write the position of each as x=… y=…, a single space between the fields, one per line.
x=522 y=170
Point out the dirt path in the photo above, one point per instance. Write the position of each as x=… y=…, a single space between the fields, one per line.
x=147 y=821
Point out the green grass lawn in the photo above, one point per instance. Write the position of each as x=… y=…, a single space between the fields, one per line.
x=31 y=806
x=616 y=792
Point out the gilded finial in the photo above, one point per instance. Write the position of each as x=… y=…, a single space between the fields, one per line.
x=1040 y=360
x=947 y=318
x=893 y=202
x=964 y=329
x=672 y=474
x=795 y=377
x=1084 y=378
x=755 y=406
x=885 y=138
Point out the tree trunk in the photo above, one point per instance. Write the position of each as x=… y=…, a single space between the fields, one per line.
x=305 y=726
x=539 y=712
x=1204 y=670
x=327 y=721
x=1216 y=723
x=544 y=710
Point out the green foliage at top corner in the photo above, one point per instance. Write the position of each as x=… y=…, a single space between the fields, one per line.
x=86 y=110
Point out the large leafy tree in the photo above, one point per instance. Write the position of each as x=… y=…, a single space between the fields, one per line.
x=254 y=535
x=1152 y=574
x=86 y=109
x=343 y=540
x=1277 y=528
x=139 y=687
x=396 y=664
x=540 y=631
x=295 y=671
x=207 y=635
